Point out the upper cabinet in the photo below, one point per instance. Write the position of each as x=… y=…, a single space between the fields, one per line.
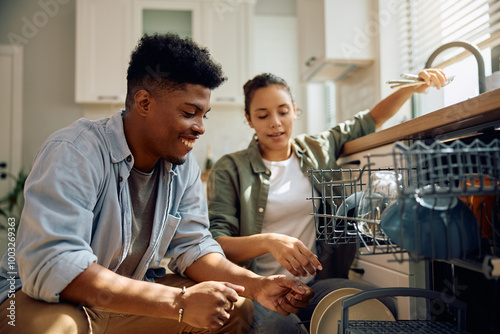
x=335 y=37
x=228 y=27
x=102 y=50
x=160 y=16
x=105 y=39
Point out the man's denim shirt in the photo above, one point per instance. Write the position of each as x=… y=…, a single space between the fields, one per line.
x=78 y=211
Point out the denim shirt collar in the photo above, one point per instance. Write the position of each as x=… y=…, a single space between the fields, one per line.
x=116 y=135
x=118 y=142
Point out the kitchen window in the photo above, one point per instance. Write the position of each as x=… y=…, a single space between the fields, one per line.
x=428 y=24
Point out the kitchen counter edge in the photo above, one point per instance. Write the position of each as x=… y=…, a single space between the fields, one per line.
x=476 y=111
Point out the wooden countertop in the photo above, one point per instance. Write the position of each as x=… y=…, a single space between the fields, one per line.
x=484 y=108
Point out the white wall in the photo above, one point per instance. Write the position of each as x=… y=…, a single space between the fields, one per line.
x=388 y=55
x=276 y=51
x=48 y=35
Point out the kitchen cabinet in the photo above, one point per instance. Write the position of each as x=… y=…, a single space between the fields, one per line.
x=102 y=50
x=336 y=37
x=160 y=16
x=108 y=30
x=229 y=38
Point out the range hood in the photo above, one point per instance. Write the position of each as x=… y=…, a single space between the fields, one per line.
x=336 y=37
x=332 y=69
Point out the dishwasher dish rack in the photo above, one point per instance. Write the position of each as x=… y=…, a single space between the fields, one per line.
x=453 y=305
x=467 y=174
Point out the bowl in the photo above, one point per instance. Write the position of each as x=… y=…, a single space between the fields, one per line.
x=348 y=210
x=325 y=302
x=432 y=226
x=351 y=203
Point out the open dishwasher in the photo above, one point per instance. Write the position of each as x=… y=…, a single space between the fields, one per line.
x=439 y=203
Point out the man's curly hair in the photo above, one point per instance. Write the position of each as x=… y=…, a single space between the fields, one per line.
x=168 y=62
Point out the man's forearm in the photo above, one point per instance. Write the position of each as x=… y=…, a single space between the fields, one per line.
x=100 y=287
x=215 y=267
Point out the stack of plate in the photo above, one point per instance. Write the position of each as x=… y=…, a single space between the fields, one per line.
x=327 y=314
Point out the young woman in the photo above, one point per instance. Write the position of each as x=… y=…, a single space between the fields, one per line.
x=257 y=197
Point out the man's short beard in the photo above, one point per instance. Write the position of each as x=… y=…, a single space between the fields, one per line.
x=176 y=160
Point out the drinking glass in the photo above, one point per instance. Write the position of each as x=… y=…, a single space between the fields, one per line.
x=382 y=190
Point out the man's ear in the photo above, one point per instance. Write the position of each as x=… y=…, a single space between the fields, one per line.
x=142 y=102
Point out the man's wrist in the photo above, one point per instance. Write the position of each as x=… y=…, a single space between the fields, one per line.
x=181 y=308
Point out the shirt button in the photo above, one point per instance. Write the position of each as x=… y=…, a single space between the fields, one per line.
x=268 y=171
x=266 y=181
x=261 y=210
x=129 y=158
x=120 y=179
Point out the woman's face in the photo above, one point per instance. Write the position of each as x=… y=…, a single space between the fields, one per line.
x=272 y=114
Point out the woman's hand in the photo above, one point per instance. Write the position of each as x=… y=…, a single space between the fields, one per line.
x=292 y=254
x=209 y=304
x=431 y=76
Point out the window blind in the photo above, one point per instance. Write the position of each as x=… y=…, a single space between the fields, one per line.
x=427 y=24
x=331 y=104
x=494 y=12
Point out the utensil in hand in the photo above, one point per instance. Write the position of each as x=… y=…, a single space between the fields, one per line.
x=413 y=80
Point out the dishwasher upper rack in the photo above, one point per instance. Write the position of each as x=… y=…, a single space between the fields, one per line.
x=335 y=187
x=438 y=169
x=457 y=168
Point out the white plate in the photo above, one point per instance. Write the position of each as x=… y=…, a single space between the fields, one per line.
x=324 y=303
x=371 y=309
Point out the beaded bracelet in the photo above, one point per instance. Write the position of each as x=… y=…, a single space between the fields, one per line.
x=181 y=310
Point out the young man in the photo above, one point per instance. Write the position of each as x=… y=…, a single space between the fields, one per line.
x=107 y=200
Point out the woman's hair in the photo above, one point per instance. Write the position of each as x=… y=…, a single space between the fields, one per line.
x=168 y=62
x=261 y=81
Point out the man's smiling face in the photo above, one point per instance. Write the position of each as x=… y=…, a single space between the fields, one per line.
x=175 y=120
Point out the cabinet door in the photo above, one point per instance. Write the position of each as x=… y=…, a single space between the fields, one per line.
x=311 y=20
x=155 y=16
x=102 y=50
x=335 y=37
x=228 y=28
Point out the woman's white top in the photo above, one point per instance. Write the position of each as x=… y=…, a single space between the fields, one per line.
x=288 y=211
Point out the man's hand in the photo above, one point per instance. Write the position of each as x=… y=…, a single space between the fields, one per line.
x=292 y=254
x=283 y=294
x=209 y=304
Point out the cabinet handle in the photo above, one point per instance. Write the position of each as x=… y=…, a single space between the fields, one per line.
x=310 y=61
x=360 y=271
x=107 y=97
